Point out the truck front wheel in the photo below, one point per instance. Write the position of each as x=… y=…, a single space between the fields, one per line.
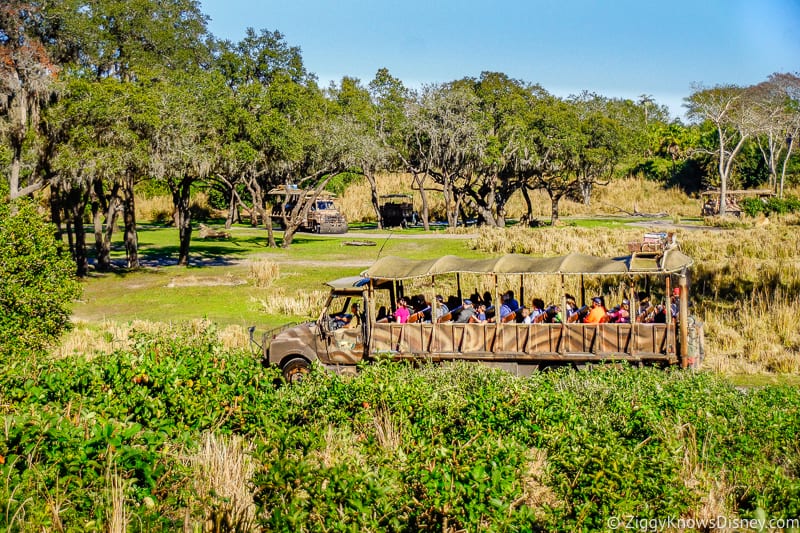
x=295 y=370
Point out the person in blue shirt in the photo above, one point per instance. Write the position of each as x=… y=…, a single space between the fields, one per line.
x=508 y=299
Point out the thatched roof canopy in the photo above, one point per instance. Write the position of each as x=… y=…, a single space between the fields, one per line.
x=398 y=268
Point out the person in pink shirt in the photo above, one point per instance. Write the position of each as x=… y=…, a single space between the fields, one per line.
x=621 y=314
x=402 y=313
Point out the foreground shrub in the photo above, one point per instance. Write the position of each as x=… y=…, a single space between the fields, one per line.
x=175 y=432
x=37 y=285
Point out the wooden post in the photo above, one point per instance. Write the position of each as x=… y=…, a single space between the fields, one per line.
x=497 y=302
x=668 y=314
x=583 y=292
x=563 y=347
x=683 y=320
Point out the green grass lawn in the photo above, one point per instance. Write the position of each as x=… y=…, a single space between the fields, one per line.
x=217 y=285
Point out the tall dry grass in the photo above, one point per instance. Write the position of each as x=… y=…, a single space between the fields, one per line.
x=91 y=340
x=619 y=197
x=117 y=517
x=221 y=468
x=300 y=303
x=342 y=446
x=264 y=272
x=714 y=491
x=159 y=209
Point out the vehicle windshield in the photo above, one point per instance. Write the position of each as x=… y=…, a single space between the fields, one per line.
x=324 y=204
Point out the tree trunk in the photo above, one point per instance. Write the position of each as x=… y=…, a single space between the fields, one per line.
x=288 y=235
x=528 y=217
x=231 y=209
x=554 y=200
x=18 y=114
x=259 y=204
x=103 y=208
x=789 y=146
x=586 y=191
x=112 y=215
x=373 y=189
x=77 y=206
x=451 y=210
x=129 y=219
x=102 y=256
x=270 y=233
x=55 y=213
x=425 y=215
x=183 y=217
x=723 y=176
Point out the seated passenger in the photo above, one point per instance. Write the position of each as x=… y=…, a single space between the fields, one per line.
x=660 y=315
x=382 y=315
x=572 y=308
x=441 y=307
x=621 y=313
x=646 y=310
x=537 y=310
x=676 y=303
x=525 y=316
x=466 y=312
x=505 y=310
x=487 y=299
x=402 y=312
x=508 y=299
x=480 y=314
x=552 y=314
x=597 y=314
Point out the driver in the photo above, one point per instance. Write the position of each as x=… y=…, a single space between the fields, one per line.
x=347 y=320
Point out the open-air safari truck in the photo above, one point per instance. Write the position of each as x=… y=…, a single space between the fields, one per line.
x=711 y=200
x=517 y=347
x=323 y=215
x=396 y=210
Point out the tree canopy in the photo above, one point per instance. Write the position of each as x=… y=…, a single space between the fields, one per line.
x=100 y=96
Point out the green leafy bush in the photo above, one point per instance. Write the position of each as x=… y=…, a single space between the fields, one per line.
x=771 y=206
x=37 y=285
x=395 y=448
x=752 y=207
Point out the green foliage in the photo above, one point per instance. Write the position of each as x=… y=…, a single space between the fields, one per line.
x=770 y=206
x=395 y=448
x=339 y=183
x=37 y=285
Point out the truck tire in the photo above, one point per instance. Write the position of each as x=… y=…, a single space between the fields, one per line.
x=294 y=370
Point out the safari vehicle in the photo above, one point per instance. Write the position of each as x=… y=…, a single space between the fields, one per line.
x=396 y=210
x=517 y=347
x=711 y=200
x=322 y=217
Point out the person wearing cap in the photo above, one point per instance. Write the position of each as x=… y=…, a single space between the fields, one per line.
x=675 y=303
x=621 y=314
x=467 y=310
x=597 y=314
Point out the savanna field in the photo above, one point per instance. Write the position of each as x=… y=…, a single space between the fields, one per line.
x=153 y=414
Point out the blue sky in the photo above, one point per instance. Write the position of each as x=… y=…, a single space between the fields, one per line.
x=617 y=48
